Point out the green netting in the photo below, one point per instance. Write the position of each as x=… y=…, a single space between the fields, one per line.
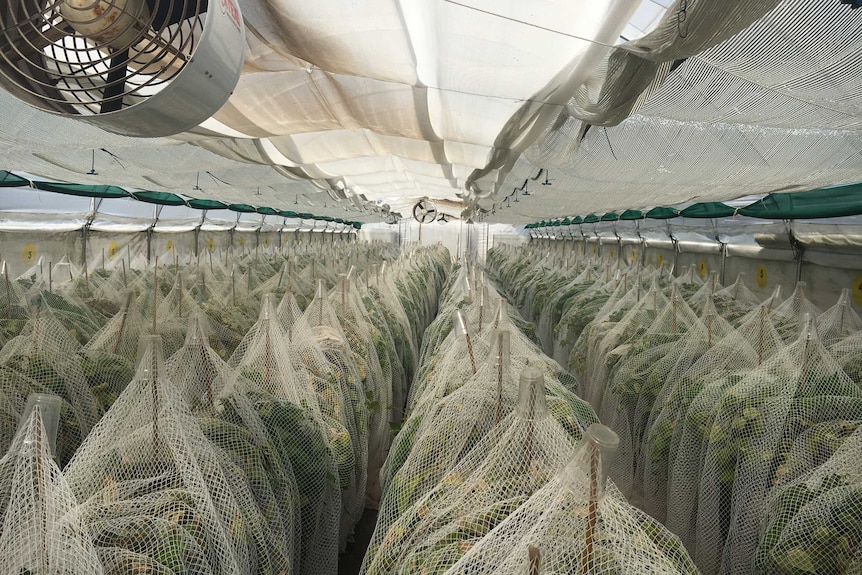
x=708 y=210
x=207 y=204
x=89 y=191
x=823 y=203
x=160 y=198
x=662 y=213
x=10 y=180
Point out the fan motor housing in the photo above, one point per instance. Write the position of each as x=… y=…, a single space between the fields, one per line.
x=193 y=94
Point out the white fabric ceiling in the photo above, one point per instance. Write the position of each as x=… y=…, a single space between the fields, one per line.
x=402 y=99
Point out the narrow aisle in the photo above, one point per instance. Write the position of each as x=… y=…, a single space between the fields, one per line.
x=350 y=562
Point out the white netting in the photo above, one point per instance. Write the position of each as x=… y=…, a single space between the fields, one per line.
x=44 y=359
x=751 y=433
x=42 y=531
x=284 y=391
x=343 y=379
x=158 y=496
x=813 y=523
x=577 y=523
x=514 y=457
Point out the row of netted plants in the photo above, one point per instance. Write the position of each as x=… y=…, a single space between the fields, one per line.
x=79 y=336
x=721 y=403
x=499 y=466
x=254 y=461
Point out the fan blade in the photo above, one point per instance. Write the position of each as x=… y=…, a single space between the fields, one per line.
x=168 y=12
x=116 y=83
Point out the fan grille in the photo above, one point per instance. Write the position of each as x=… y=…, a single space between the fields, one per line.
x=49 y=62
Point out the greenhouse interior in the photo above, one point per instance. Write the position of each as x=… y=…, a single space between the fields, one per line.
x=427 y=287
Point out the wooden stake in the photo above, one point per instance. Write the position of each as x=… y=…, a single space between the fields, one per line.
x=535 y=559
x=592 y=513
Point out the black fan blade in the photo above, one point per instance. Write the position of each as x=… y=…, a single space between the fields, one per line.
x=167 y=12
x=116 y=83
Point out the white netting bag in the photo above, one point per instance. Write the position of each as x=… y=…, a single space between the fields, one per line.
x=750 y=437
x=577 y=523
x=606 y=346
x=790 y=314
x=229 y=421
x=158 y=496
x=13 y=308
x=709 y=350
x=735 y=301
x=839 y=321
x=342 y=385
x=679 y=434
x=41 y=527
x=673 y=342
x=44 y=359
x=813 y=524
x=515 y=458
x=374 y=368
x=312 y=408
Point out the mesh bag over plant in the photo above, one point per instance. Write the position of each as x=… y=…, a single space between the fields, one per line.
x=674 y=340
x=158 y=496
x=229 y=421
x=680 y=433
x=813 y=524
x=44 y=359
x=839 y=321
x=577 y=523
x=348 y=387
x=287 y=396
x=512 y=461
x=374 y=367
x=750 y=437
x=735 y=301
x=607 y=346
x=41 y=528
x=13 y=309
x=790 y=314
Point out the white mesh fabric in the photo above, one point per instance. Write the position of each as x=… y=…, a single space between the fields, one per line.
x=341 y=366
x=44 y=359
x=515 y=458
x=576 y=523
x=812 y=523
x=752 y=432
x=156 y=494
x=42 y=527
x=265 y=358
x=681 y=437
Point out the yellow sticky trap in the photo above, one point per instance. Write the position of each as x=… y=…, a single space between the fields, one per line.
x=762 y=276
x=660 y=260
x=170 y=245
x=28 y=254
x=701 y=268
x=857 y=290
x=612 y=252
x=113 y=250
x=211 y=244
x=634 y=256
x=241 y=241
x=266 y=241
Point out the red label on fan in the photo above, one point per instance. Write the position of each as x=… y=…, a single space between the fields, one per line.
x=230 y=8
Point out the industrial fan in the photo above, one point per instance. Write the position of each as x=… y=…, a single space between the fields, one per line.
x=424 y=212
x=133 y=67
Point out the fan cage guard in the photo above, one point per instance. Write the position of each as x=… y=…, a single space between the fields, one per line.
x=47 y=63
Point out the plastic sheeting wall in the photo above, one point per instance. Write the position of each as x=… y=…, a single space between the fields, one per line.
x=824 y=255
